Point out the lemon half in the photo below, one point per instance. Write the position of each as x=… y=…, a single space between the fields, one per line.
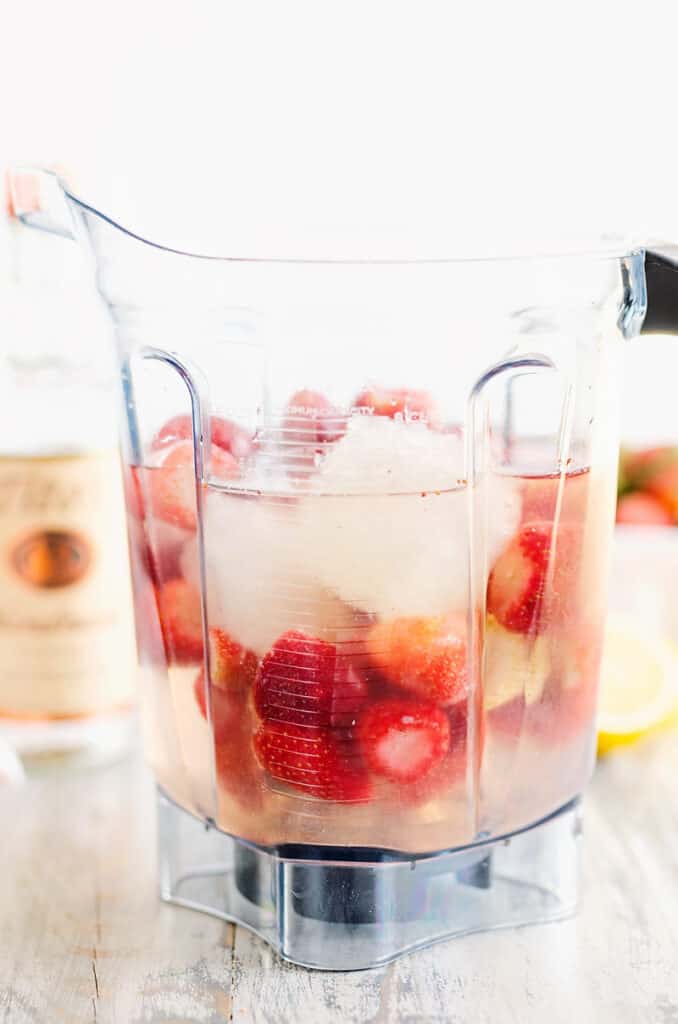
x=638 y=683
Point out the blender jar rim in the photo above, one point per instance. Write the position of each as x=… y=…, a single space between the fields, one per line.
x=600 y=249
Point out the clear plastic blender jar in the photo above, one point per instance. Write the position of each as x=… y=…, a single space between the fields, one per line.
x=370 y=505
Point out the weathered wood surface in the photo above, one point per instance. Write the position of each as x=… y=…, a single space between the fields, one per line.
x=83 y=937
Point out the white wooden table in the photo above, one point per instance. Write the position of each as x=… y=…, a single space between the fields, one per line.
x=83 y=937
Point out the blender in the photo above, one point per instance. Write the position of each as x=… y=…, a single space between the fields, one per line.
x=370 y=506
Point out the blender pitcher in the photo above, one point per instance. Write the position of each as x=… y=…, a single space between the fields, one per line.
x=370 y=505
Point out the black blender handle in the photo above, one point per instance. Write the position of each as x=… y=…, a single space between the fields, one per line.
x=661 y=277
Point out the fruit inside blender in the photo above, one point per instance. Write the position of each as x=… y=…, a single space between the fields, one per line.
x=372 y=678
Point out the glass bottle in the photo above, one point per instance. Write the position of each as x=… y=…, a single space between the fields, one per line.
x=67 y=650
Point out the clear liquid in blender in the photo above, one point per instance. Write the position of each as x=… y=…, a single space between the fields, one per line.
x=355 y=696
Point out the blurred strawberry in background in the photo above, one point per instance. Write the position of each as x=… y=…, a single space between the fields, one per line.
x=648 y=487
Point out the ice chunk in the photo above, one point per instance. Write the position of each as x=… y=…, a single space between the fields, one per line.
x=387 y=525
x=259 y=578
x=382 y=530
x=379 y=455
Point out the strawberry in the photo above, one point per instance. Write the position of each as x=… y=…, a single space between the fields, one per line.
x=171 y=484
x=225 y=434
x=228 y=708
x=450 y=771
x=349 y=694
x=164 y=550
x=199 y=688
x=149 y=637
x=160 y=546
x=159 y=543
x=238 y=772
x=181 y=621
x=319 y=762
x=232 y=666
x=664 y=487
x=310 y=418
x=223 y=465
x=402 y=739
x=517 y=588
x=426 y=656
x=171 y=487
x=643 y=510
x=639 y=469
x=398 y=403
x=304 y=680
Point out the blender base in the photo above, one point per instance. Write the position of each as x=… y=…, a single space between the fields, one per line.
x=332 y=908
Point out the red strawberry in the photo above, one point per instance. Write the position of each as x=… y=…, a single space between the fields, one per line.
x=238 y=771
x=424 y=655
x=304 y=680
x=643 y=510
x=399 y=403
x=181 y=621
x=664 y=487
x=223 y=465
x=402 y=739
x=224 y=433
x=316 y=761
x=349 y=694
x=149 y=637
x=171 y=484
x=160 y=546
x=228 y=708
x=517 y=588
x=164 y=550
x=449 y=772
x=310 y=418
x=160 y=542
x=199 y=688
x=233 y=667
x=639 y=469
x=171 y=487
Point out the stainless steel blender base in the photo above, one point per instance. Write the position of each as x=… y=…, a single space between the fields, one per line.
x=348 y=909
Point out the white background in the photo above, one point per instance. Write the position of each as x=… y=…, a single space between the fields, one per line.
x=236 y=125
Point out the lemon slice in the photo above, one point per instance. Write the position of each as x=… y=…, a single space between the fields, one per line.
x=638 y=683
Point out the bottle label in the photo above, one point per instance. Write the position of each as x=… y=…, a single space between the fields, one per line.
x=66 y=627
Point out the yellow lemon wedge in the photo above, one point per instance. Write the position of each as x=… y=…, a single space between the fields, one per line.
x=638 y=684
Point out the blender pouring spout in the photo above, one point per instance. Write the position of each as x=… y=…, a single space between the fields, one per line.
x=39 y=199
